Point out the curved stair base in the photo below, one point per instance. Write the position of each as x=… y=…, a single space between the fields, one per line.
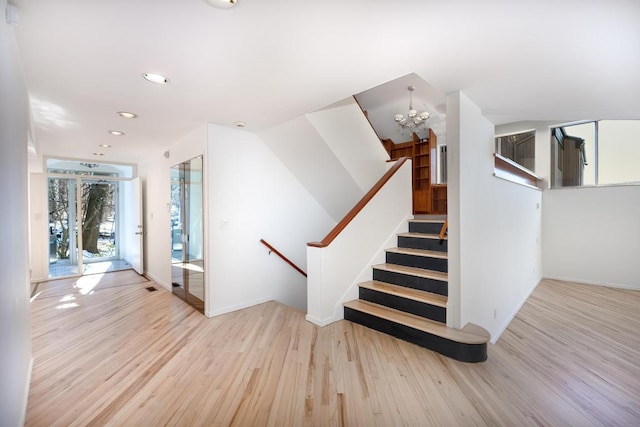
x=457 y=344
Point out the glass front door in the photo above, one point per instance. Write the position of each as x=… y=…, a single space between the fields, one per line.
x=83 y=226
x=63 y=227
x=99 y=221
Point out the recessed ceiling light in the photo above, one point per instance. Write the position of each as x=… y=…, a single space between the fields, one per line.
x=240 y=124
x=104 y=146
x=98 y=154
x=116 y=132
x=223 y=4
x=155 y=78
x=127 y=115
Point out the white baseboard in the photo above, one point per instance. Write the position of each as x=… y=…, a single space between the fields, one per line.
x=229 y=309
x=321 y=322
x=495 y=336
x=594 y=283
x=158 y=281
x=25 y=397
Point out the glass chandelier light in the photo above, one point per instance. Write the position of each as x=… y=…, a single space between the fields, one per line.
x=414 y=120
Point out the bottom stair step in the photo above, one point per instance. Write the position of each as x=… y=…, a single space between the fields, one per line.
x=466 y=345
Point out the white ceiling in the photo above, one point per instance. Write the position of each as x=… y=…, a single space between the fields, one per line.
x=266 y=62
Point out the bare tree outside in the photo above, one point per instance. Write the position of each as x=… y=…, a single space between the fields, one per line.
x=97 y=217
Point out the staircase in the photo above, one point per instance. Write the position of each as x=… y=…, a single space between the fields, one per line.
x=407 y=297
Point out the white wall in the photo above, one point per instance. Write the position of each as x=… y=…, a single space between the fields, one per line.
x=578 y=224
x=336 y=270
x=257 y=197
x=15 y=339
x=346 y=130
x=592 y=235
x=494 y=227
x=333 y=152
x=38 y=228
x=299 y=146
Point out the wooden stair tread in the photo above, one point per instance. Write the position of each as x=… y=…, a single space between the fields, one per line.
x=422 y=236
x=404 y=292
x=414 y=271
x=476 y=330
x=429 y=217
x=419 y=323
x=428 y=221
x=420 y=252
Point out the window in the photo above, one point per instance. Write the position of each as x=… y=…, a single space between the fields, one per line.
x=518 y=147
x=573 y=155
x=594 y=153
x=618 y=151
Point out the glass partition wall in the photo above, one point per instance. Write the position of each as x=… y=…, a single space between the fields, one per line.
x=187 y=232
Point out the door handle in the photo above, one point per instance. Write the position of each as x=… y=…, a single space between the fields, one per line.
x=139 y=232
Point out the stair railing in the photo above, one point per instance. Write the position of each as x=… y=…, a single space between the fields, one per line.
x=443 y=230
x=359 y=206
x=284 y=258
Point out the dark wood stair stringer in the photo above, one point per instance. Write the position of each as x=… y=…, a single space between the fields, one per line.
x=407 y=297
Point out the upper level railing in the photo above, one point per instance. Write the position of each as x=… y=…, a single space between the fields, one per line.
x=443 y=230
x=359 y=206
x=287 y=260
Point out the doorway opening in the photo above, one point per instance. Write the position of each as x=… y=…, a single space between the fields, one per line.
x=86 y=211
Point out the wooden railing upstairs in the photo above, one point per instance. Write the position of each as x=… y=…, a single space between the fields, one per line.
x=359 y=206
x=443 y=230
x=284 y=258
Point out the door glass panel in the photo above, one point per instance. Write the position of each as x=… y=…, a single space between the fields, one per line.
x=63 y=255
x=99 y=224
x=99 y=221
x=187 y=232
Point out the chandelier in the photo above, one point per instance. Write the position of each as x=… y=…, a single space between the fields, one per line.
x=414 y=120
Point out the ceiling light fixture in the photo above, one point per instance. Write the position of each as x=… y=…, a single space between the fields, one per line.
x=222 y=4
x=239 y=124
x=98 y=154
x=414 y=120
x=155 y=78
x=127 y=115
x=116 y=132
x=104 y=146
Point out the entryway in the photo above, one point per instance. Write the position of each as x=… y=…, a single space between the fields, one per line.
x=92 y=227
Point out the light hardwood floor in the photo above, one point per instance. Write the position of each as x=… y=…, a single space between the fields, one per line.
x=108 y=352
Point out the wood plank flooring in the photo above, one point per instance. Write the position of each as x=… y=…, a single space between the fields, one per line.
x=108 y=352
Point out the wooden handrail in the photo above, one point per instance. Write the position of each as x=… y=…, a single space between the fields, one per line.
x=443 y=230
x=287 y=260
x=359 y=206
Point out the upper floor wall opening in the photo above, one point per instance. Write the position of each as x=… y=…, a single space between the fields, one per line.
x=603 y=152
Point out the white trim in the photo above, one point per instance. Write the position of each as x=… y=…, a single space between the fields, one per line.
x=502 y=135
x=320 y=322
x=25 y=396
x=518 y=166
x=225 y=310
x=590 y=283
x=517 y=182
x=505 y=324
x=158 y=281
